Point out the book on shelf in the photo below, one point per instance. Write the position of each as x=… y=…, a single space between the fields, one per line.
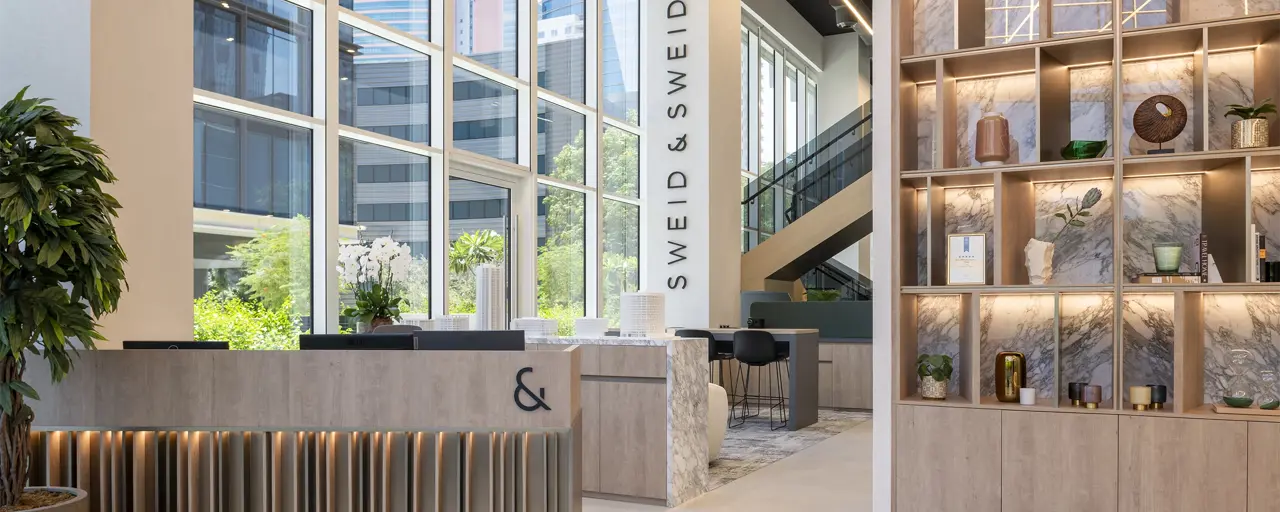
x=1170 y=278
x=1203 y=244
x=1252 y=270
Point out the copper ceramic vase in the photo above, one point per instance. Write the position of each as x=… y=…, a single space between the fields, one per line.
x=1011 y=375
x=993 y=142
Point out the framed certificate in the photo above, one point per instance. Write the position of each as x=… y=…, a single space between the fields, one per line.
x=967 y=258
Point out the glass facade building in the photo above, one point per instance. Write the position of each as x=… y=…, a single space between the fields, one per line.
x=483 y=147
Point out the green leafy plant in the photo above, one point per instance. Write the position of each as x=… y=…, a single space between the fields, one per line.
x=473 y=249
x=937 y=366
x=375 y=274
x=1254 y=112
x=62 y=266
x=1071 y=218
x=820 y=295
x=245 y=324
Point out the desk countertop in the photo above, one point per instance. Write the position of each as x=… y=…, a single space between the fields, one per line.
x=731 y=330
x=609 y=340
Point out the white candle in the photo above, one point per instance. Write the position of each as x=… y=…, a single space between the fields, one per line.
x=1027 y=396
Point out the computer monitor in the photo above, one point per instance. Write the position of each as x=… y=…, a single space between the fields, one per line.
x=176 y=345
x=469 y=340
x=397 y=341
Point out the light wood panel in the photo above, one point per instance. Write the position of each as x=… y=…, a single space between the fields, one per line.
x=1264 y=467
x=591 y=436
x=1188 y=351
x=850 y=376
x=1054 y=462
x=626 y=414
x=1182 y=465
x=947 y=458
x=322 y=390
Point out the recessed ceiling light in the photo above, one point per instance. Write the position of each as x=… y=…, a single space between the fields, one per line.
x=351 y=50
x=343 y=78
x=226 y=5
x=230 y=39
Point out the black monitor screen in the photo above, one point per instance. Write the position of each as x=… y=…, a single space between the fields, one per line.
x=470 y=340
x=356 y=341
x=176 y=345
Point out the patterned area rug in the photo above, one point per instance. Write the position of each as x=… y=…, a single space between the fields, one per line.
x=752 y=445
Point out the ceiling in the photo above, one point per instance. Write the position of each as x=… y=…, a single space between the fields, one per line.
x=822 y=16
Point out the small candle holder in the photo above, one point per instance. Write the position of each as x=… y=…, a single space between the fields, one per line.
x=1159 y=395
x=1140 y=397
x=1074 y=389
x=1091 y=395
x=1027 y=396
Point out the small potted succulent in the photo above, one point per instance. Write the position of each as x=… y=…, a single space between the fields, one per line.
x=1252 y=129
x=935 y=374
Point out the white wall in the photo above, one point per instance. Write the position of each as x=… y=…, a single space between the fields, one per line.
x=783 y=19
x=844 y=83
x=36 y=33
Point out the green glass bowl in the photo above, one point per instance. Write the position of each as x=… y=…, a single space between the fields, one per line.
x=1082 y=149
x=1241 y=402
x=1270 y=406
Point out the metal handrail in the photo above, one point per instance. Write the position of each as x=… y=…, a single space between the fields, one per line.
x=807 y=159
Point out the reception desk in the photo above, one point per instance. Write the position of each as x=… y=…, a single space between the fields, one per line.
x=198 y=430
x=644 y=416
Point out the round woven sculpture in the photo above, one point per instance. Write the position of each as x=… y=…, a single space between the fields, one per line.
x=1158 y=127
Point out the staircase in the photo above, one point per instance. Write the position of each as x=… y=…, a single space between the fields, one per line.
x=808 y=208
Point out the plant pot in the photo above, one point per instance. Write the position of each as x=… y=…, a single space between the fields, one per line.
x=79 y=503
x=992 y=140
x=1250 y=133
x=379 y=322
x=933 y=389
x=1039 y=261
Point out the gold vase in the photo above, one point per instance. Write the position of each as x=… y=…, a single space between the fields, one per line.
x=1011 y=375
x=1250 y=133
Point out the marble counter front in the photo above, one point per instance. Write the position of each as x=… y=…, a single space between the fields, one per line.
x=644 y=408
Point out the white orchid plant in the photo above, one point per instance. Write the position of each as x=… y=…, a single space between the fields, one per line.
x=374 y=272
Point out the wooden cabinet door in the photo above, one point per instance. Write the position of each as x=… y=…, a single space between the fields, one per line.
x=1054 y=462
x=948 y=459
x=1264 y=467
x=1183 y=465
x=633 y=434
x=851 y=376
x=590 y=435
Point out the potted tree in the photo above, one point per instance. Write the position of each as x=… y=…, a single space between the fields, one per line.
x=935 y=375
x=61 y=269
x=1251 y=130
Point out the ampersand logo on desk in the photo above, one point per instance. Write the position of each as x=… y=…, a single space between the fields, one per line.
x=524 y=390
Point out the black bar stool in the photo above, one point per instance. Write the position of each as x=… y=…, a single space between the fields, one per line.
x=716 y=351
x=757 y=349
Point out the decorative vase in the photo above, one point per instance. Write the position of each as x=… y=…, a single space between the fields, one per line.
x=1268 y=396
x=1159 y=395
x=1250 y=133
x=1168 y=256
x=1074 y=392
x=992 y=139
x=1140 y=397
x=79 y=501
x=1239 y=388
x=1039 y=261
x=1084 y=149
x=1091 y=395
x=1027 y=396
x=378 y=321
x=933 y=389
x=1011 y=375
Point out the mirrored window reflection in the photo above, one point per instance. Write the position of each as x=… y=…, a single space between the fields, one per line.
x=561 y=143
x=383 y=87
x=257 y=50
x=621 y=258
x=620 y=60
x=486 y=31
x=562 y=257
x=485 y=116
x=412 y=17
x=562 y=49
x=252 y=230
x=384 y=197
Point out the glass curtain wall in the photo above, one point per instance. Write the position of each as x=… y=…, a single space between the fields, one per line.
x=294 y=223
x=779 y=117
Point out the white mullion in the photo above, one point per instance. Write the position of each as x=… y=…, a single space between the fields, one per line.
x=249 y=108
x=324 y=190
x=309 y=4
x=469 y=64
x=594 y=24
x=389 y=142
x=389 y=33
x=621 y=125
x=442 y=135
x=576 y=187
x=558 y=99
x=753 y=102
x=595 y=90
x=763 y=26
x=496 y=165
x=621 y=199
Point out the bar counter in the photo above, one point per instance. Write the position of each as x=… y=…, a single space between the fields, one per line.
x=179 y=430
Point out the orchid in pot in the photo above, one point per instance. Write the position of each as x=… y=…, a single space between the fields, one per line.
x=1040 y=252
x=374 y=273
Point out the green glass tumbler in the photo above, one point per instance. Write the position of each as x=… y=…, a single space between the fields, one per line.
x=1168 y=256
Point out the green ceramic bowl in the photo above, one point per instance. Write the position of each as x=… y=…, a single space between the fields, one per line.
x=1270 y=405
x=1241 y=402
x=1082 y=149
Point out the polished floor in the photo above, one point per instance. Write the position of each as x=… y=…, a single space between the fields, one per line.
x=834 y=475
